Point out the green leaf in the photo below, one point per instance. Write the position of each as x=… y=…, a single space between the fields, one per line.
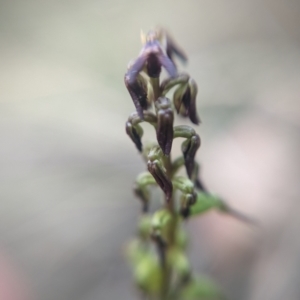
x=207 y=201
x=204 y=203
x=201 y=288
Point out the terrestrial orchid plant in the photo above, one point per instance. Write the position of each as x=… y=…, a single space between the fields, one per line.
x=161 y=268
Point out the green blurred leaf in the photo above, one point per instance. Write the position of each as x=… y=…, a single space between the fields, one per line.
x=201 y=288
x=204 y=203
x=207 y=201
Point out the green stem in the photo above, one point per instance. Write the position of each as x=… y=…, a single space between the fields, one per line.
x=156 y=88
x=170 y=206
x=172 y=233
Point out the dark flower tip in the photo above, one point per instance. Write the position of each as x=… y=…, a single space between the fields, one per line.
x=134 y=135
x=165 y=119
x=161 y=178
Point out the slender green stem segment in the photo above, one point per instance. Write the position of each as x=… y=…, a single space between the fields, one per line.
x=170 y=206
x=154 y=81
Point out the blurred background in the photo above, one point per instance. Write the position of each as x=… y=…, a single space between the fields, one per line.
x=67 y=166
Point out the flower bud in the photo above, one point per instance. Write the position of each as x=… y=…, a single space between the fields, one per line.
x=143 y=194
x=191 y=105
x=188 y=197
x=149 y=275
x=161 y=218
x=186 y=201
x=137 y=88
x=160 y=231
x=135 y=133
x=165 y=119
x=184 y=99
x=189 y=149
x=141 y=189
x=160 y=224
x=158 y=172
x=179 y=262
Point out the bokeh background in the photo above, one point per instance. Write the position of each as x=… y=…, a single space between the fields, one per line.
x=67 y=166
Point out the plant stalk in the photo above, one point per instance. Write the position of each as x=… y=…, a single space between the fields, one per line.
x=170 y=205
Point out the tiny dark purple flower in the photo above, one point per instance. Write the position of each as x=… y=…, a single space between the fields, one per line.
x=157 y=171
x=151 y=60
x=135 y=134
x=189 y=149
x=165 y=119
x=185 y=101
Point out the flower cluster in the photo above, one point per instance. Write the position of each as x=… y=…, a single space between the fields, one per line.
x=166 y=272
